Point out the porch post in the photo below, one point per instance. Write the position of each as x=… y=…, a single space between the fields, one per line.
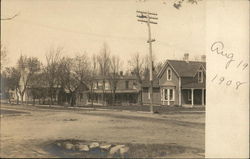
x=192 y=96
x=179 y=91
x=168 y=97
x=202 y=96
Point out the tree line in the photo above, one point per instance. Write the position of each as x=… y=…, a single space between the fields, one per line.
x=70 y=73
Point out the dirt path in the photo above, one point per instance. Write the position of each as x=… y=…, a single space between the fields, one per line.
x=24 y=134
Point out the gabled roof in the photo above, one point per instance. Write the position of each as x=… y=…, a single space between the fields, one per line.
x=183 y=68
x=147 y=83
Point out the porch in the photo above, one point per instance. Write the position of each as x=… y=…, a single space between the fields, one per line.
x=108 y=98
x=193 y=97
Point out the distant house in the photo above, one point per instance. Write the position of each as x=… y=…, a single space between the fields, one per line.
x=179 y=82
x=126 y=91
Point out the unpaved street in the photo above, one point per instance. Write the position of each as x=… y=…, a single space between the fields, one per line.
x=27 y=130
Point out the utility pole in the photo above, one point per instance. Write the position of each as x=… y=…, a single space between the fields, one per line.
x=147 y=17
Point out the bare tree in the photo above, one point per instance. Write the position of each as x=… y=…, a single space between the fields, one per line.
x=81 y=72
x=137 y=64
x=51 y=71
x=37 y=86
x=74 y=74
x=10 y=18
x=3 y=56
x=66 y=76
x=104 y=62
x=27 y=66
x=177 y=3
x=92 y=74
x=115 y=64
x=157 y=68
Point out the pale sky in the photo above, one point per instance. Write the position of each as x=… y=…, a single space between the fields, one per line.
x=84 y=25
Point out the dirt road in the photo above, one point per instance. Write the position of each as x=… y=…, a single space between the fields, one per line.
x=26 y=130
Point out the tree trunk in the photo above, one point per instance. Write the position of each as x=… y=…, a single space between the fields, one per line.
x=114 y=101
x=9 y=96
x=141 y=102
x=92 y=95
x=21 y=94
x=17 y=99
x=103 y=93
x=71 y=100
x=51 y=100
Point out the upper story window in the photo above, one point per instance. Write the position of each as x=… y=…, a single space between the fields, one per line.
x=169 y=74
x=126 y=84
x=200 y=76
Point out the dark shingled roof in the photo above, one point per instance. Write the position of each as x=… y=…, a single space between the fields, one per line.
x=146 y=83
x=186 y=69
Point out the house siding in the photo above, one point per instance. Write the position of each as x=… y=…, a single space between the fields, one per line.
x=156 y=96
x=174 y=84
x=192 y=82
x=125 y=93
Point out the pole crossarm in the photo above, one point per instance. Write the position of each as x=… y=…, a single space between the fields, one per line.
x=146 y=13
x=146 y=21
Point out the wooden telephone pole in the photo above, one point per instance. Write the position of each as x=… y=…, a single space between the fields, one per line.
x=147 y=17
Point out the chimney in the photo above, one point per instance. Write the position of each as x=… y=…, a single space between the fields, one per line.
x=185 y=58
x=203 y=58
x=121 y=73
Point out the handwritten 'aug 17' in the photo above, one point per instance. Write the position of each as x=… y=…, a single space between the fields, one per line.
x=218 y=47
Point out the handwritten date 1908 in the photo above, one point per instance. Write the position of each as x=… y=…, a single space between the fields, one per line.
x=222 y=79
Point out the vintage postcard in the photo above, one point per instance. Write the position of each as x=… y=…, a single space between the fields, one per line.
x=124 y=79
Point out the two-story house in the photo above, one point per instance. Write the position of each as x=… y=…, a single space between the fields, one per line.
x=179 y=82
x=126 y=90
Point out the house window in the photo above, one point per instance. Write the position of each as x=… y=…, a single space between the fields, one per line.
x=168 y=94
x=96 y=85
x=200 y=76
x=126 y=84
x=171 y=94
x=145 y=90
x=134 y=85
x=107 y=86
x=169 y=74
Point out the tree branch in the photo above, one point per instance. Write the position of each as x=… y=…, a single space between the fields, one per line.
x=10 y=18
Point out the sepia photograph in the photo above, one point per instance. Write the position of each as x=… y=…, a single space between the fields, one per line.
x=106 y=78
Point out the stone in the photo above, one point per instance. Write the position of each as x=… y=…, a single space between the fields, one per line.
x=83 y=147
x=124 y=150
x=68 y=146
x=94 y=145
x=115 y=149
x=106 y=147
x=59 y=144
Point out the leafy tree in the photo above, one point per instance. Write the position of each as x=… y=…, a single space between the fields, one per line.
x=10 y=78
